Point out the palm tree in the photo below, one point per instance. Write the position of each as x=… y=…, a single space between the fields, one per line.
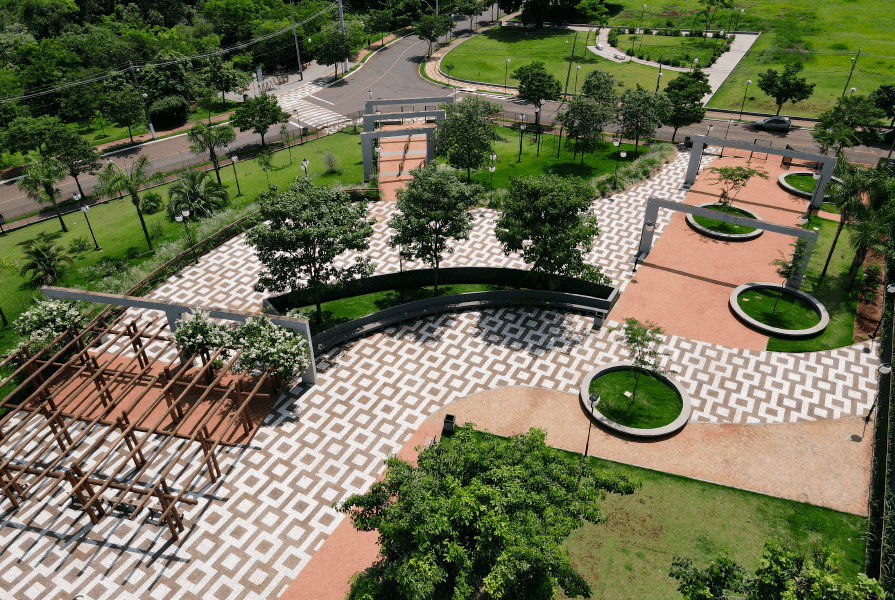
x=205 y=138
x=40 y=182
x=873 y=223
x=196 y=192
x=130 y=180
x=46 y=261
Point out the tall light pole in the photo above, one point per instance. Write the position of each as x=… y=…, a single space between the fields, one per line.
x=730 y=20
x=853 y=90
x=748 y=82
x=342 y=28
x=506 y=71
x=659 y=78
x=616 y=142
x=884 y=369
x=538 y=125
x=233 y=159
x=521 y=129
x=301 y=76
x=643 y=12
x=695 y=64
x=84 y=208
x=142 y=99
x=577 y=69
x=854 y=61
x=593 y=399
x=735 y=25
x=709 y=130
x=181 y=218
x=729 y=121
x=492 y=168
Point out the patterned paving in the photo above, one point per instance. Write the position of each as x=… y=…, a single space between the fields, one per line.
x=253 y=532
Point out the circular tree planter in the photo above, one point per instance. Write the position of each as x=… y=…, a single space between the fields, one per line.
x=781 y=181
x=673 y=427
x=729 y=237
x=776 y=331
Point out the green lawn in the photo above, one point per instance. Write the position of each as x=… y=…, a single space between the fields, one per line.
x=595 y=163
x=722 y=226
x=842 y=305
x=119 y=233
x=804 y=183
x=684 y=49
x=654 y=405
x=483 y=58
x=778 y=309
x=629 y=555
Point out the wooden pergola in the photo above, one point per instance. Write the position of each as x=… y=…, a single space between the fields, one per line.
x=94 y=401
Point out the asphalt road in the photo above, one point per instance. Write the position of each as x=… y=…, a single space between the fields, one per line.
x=393 y=73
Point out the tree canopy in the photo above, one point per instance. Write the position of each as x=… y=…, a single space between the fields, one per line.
x=431 y=27
x=479 y=516
x=600 y=86
x=76 y=153
x=685 y=93
x=884 y=98
x=787 y=86
x=258 y=114
x=585 y=120
x=467 y=134
x=304 y=229
x=640 y=113
x=548 y=220
x=333 y=47
x=536 y=83
x=853 y=121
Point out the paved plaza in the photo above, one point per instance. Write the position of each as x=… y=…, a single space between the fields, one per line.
x=253 y=532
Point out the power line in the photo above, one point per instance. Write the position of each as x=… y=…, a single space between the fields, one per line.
x=161 y=64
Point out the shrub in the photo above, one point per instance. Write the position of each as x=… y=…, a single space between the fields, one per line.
x=629 y=52
x=871 y=281
x=612 y=37
x=272 y=346
x=79 y=244
x=669 y=23
x=169 y=112
x=150 y=203
x=198 y=333
x=156 y=230
x=197 y=192
x=640 y=57
x=104 y=267
x=632 y=30
x=332 y=163
x=45 y=261
x=47 y=320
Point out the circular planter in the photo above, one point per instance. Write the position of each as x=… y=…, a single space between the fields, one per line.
x=729 y=237
x=776 y=331
x=673 y=427
x=781 y=181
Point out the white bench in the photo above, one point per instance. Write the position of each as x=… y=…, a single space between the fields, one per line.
x=599 y=46
x=620 y=57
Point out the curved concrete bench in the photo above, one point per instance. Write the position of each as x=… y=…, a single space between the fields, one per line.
x=729 y=237
x=781 y=181
x=776 y=331
x=596 y=415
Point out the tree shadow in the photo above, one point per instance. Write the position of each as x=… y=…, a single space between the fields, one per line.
x=536 y=331
x=43 y=236
x=572 y=169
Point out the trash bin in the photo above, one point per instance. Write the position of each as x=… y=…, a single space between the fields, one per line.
x=304 y=131
x=688 y=143
x=599 y=317
x=449 y=422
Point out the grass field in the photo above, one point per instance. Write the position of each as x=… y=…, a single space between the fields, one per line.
x=684 y=49
x=119 y=233
x=830 y=291
x=654 y=405
x=722 y=226
x=629 y=555
x=805 y=183
x=483 y=58
x=595 y=163
x=778 y=309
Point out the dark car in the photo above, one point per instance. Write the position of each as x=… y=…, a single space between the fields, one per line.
x=776 y=123
x=888 y=135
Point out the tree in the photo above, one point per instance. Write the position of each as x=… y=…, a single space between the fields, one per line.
x=872 y=219
x=884 y=98
x=853 y=121
x=479 y=516
x=77 y=154
x=124 y=106
x=379 y=21
x=584 y=120
x=533 y=11
x=466 y=135
x=711 y=7
x=685 y=93
x=264 y=158
x=45 y=261
x=232 y=19
x=536 y=84
x=47 y=18
x=112 y=181
x=258 y=114
x=786 y=87
x=433 y=210
x=305 y=228
x=600 y=86
x=470 y=8
x=846 y=195
x=547 y=218
x=431 y=27
x=205 y=138
x=26 y=134
x=595 y=12
x=333 y=47
x=787 y=269
x=197 y=193
x=640 y=113
x=40 y=180
x=643 y=341
x=224 y=77
x=732 y=180
x=785 y=572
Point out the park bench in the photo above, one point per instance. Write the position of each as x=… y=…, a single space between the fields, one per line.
x=620 y=57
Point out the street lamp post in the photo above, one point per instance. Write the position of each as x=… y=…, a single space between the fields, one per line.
x=735 y=25
x=493 y=157
x=742 y=106
x=695 y=64
x=506 y=71
x=577 y=69
x=659 y=78
x=301 y=136
x=853 y=90
x=616 y=142
x=884 y=369
x=181 y=218
x=593 y=400
x=854 y=61
x=643 y=12
x=729 y=121
x=84 y=208
x=891 y=290
x=233 y=159
x=301 y=75
x=521 y=129
x=304 y=165
x=709 y=130
x=538 y=127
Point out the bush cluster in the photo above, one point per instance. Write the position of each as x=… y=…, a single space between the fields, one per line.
x=633 y=173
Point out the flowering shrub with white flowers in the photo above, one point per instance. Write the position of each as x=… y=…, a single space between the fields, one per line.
x=198 y=332
x=47 y=320
x=272 y=346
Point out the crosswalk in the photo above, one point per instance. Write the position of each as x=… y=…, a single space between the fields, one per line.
x=307 y=114
x=298 y=93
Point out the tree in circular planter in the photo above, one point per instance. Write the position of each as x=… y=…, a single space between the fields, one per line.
x=787 y=269
x=732 y=180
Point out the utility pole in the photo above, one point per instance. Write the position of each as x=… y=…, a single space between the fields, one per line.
x=301 y=76
x=571 y=58
x=342 y=26
x=853 y=63
x=142 y=99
